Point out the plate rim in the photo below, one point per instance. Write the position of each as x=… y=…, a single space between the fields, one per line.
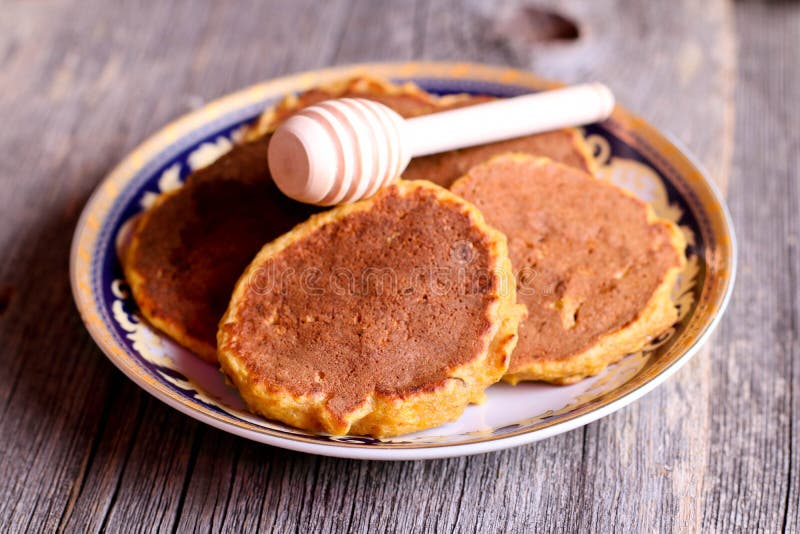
x=83 y=295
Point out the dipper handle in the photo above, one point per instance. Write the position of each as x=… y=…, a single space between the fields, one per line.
x=345 y=150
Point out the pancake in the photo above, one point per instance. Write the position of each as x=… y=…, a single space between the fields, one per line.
x=408 y=100
x=377 y=318
x=566 y=145
x=594 y=265
x=187 y=251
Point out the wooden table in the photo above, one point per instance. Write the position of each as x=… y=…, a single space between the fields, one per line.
x=81 y=448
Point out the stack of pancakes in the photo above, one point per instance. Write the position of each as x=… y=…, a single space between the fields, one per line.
x=508 y=260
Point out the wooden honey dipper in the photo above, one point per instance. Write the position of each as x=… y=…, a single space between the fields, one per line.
x=346 y=149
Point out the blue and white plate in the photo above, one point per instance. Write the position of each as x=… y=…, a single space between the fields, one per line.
x=630 y=152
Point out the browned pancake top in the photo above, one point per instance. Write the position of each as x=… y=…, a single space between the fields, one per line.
x=196 y=242
x=389 y=300
x=407 y=105
x=587 y=259
x=563 y=146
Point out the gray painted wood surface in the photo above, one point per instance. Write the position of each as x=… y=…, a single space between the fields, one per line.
x=81 y=448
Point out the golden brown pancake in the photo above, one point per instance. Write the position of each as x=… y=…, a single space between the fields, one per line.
x=378 y=318
x=188 y=250
x=594 y=265
x=566 y=145
x=407 y=99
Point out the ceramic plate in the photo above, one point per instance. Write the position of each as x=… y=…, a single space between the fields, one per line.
x=630 y=152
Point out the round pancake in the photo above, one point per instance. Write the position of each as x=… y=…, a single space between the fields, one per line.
x=377 y=318
x=566 y=145
x=187 y=251
x=594 y=265
x=408 y=100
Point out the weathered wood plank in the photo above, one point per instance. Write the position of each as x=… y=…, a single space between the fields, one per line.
x=754 y=446
x=95 y=489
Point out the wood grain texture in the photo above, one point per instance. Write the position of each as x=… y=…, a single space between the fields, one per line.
x=754 y=445
x=83 y=449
